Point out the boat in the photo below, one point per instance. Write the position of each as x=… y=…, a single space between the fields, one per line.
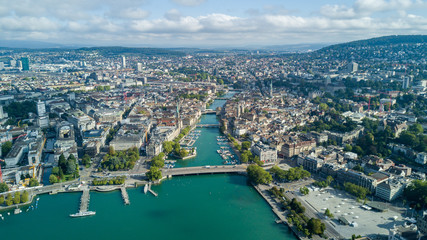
x=83 y=214
x=146 y=188
x=17 y=211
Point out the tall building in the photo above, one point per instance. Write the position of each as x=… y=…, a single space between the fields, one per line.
x=352 y=67
x=123 y=62
x=139 y=67
x=406 y=82
x=41 y=108
x=271 y=88
x=25 y=64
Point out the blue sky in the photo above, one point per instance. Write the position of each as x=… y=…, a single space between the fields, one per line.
x=198 y=23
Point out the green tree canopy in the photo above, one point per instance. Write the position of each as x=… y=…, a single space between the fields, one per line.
x=258 y=175
x=33 y=182
x=154 y=174
x=3 y=187
x=5 y=148
x=315 y=226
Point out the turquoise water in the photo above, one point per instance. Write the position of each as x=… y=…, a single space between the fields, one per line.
x=206 y=146
x=194 y=207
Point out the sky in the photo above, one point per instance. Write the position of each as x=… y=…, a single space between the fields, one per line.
x=208 y=23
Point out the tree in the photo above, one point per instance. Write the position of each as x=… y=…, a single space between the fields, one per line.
x=62 y=162
x=33 y=182
x=5 y=148
x=315 y=226
x=9 y=199
x=408 y=139
x=86 y=160
x=17 y=198
x=246 y=145
x=416 y=128
x=168 y=147
x=328 y=213
x=53 y=178
x=304 y=190
x=323 y=107
x=3 y=187
x=71 y=167
x=329 y=180
x=258 y=175
x=183 y=153
x=111 y=151
x=24 y=197
x=154 y=174
x=1 y=199
x=348 y=148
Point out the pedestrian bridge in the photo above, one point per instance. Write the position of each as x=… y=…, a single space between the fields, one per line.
x=208 y=125
x=205 y=170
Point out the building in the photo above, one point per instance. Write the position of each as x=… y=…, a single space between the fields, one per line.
x=65 y=140
x=120 y=143
x=312 y=163
x=123 y=62
x=421 y=158
x=391 y=189
x=25 y=64
x=360 y=179
x=406 y=82
x=352 y=67
x=41 y=108
x=266 y=154
x=139 y=67
x=296 y=147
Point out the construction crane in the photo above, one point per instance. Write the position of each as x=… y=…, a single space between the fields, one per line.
x=1 y=174
x=34 y=170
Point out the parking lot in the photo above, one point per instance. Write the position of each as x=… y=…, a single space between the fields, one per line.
x=367 y=222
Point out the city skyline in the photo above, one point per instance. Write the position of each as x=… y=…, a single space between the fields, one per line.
x=208 y=23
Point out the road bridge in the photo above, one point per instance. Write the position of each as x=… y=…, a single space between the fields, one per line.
x=205 y=170
x=208 y=125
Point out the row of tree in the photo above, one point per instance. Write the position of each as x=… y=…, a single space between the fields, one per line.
x=113 y=181
x=15 y=199
x=293 y=174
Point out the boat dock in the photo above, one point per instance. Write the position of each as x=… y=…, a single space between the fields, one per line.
x=84 y=201
x=125 y=195
x=151 y=191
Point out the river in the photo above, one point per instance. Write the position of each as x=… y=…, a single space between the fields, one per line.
x=191 y=207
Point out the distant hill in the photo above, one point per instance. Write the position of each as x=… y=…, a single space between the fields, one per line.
x=380 y=41
x=113 y=51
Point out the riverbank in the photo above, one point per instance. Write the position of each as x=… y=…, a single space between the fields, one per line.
x=279 y=213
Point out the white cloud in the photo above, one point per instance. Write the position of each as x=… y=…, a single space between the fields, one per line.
x=189 y=3
x=130 y=22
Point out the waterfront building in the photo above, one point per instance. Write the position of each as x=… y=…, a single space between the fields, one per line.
x=266 y=154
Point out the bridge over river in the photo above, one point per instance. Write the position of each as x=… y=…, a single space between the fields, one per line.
x=205 y=170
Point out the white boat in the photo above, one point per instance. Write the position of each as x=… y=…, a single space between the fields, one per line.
x=83 y=214
x=17 y=211
x=146 y=188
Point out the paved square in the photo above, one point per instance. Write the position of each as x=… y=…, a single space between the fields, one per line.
x=341 y=203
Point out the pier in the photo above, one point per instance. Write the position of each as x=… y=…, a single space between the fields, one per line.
x=125 y=195
x=151 y=191
x=84 y=201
